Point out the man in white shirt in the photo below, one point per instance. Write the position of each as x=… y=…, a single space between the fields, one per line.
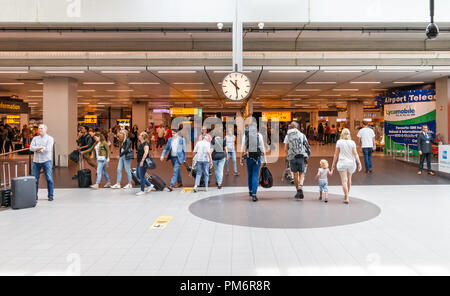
x=161 y=132
x=42 y=146
x=368 y=144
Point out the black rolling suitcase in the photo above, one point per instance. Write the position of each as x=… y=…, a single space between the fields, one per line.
x=157 y=182
x=23 y=190
x=136 y=179
x=84 y=175
x=5 y=196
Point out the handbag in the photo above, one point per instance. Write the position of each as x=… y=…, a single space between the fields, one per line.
x=149 y=163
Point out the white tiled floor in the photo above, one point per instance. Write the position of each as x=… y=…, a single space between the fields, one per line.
x=107 y=233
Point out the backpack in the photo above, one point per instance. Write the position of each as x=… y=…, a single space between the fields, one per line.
x=265 y=178
x=252 y=154
x=299 y=145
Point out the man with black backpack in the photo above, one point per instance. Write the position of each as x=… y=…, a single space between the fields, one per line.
x=253 y=151
x=297 y=153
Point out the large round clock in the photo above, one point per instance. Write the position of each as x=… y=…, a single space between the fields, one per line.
x=236 y=86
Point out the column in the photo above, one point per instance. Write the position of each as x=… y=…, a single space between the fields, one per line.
x=139 y=114
x=355 y=115
x=442 y=108
x=60 y=115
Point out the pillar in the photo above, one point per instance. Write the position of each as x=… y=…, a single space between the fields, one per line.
x=442 y=108
x=355 y=116
x=139 y=114
x=60 y=115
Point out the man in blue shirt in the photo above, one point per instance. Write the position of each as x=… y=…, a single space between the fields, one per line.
x=176 y=153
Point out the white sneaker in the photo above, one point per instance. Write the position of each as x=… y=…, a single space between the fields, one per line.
x=140 y=193
x=128 y=186
x=116 y=186
x=149 y=188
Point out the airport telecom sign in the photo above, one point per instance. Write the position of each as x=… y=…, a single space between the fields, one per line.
x=444 y=158
x=405 y=113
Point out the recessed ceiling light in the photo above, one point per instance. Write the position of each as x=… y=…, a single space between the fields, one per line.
x=177 y=72
x=199 y=90
x=321 y=82
x=308 y=89
x=144 y=83
x=342 y=71
x=104 y=96
x=188 y=83
x=13 y=72
x=170 y=96
x=120 y=72
x=329 y=95
x=365 y=82
x=99 y=83
x=345 y=89
x=287 y=71
x=120 y=90
x=409 y=82
x=298 y=96
x=397 y=71
x=301 y=105
x=86 y=90
x=35 y=96
x=11 y=83
x=276 y=83
x=140 y=96
x=64 y=72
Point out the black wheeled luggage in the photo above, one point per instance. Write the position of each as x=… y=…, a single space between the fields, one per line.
x=23 y=190
x=159 y=184
x=84 y=175
x=5 y=192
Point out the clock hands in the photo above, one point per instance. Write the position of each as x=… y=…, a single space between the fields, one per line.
x=235 y=84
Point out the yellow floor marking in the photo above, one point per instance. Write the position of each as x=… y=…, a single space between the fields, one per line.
x=187 y=190
x=161 y=222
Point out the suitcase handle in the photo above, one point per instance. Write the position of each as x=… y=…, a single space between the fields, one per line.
x=25 y=165
x=6 y=164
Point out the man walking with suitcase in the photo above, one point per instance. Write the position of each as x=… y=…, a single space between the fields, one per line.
x=42 y=146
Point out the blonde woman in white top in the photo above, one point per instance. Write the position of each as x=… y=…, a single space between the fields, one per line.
x=347 y=158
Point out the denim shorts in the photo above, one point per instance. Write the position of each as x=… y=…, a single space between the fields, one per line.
x=323 y=184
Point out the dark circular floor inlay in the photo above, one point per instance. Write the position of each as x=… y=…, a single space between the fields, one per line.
x=279 y=209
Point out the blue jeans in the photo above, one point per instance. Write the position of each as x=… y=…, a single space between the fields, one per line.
x=124 y=163
x=368 y=158
x=140 y=173
x=37 y=167
x=233 y=157
x=101 y=168
x=202 y=169
x=253 y=167
x=323 y=185
x=176 y=178
x=218 y=170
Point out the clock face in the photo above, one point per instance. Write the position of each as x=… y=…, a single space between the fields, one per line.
x=236 y=86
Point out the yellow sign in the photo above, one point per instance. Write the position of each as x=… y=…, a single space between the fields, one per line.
x=90 y=119
x=161 y=222
x=123 y=122
x=282 y=116
x=183 y=111
x=13 y=116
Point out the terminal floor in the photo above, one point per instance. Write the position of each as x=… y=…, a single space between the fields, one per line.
x=85 y=232
x=387 y=171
